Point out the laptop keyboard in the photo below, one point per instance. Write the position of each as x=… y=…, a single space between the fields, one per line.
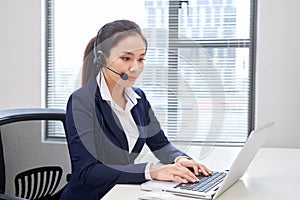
x=205 y=184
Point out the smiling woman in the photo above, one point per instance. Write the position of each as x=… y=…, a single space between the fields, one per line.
x=108 y=121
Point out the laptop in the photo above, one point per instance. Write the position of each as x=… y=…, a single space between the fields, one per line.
x=214 y=185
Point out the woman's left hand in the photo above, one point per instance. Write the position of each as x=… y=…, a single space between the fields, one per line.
x=195 y=166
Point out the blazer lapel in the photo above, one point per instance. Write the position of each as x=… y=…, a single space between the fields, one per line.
x=141 y=127
x=111 y=122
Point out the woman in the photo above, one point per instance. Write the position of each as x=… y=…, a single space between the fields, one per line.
x=109 y=121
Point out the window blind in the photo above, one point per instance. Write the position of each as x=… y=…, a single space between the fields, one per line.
x=198 y=72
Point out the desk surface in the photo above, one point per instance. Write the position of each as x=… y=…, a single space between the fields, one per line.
x=274 y=174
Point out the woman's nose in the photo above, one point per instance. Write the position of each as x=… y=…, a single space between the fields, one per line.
x=134 y=66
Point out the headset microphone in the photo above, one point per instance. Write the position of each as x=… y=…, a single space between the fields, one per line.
x=123 y=76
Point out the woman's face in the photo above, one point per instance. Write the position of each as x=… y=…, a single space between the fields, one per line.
x=126 y=57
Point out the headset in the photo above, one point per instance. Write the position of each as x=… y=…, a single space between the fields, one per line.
x=99 y=59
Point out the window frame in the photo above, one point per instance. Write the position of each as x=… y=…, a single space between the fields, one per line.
x=175 y=43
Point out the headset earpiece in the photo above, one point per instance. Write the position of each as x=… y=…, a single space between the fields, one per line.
x=99 y=60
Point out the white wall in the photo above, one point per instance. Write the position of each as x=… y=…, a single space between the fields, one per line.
x=20 y=53
x=278 y=85
x=20 y=81
x=278 y=70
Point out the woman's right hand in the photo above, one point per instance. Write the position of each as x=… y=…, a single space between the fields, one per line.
x=173 y=172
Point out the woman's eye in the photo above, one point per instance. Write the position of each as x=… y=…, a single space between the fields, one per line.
x=142 y=59
x=125 y=58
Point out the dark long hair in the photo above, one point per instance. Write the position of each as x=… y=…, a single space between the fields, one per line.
x=107 y=37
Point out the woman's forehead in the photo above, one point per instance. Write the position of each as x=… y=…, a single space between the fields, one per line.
x=130 y=44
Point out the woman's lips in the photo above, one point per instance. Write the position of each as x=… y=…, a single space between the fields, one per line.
x=132 y=78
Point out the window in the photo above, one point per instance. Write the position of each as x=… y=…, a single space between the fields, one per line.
x=199 y=67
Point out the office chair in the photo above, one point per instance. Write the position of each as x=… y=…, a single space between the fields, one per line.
x=29 y=183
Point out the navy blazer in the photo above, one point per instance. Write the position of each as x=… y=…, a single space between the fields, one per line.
x=98 y=145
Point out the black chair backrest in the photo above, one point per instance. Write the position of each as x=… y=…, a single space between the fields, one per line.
x=8 y=118
x=38 y=183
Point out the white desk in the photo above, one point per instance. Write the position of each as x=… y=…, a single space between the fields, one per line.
x=274 y=174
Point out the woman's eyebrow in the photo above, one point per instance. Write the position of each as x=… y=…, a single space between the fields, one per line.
x=130 y=53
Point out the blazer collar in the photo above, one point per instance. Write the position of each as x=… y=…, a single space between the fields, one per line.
x=130 y=95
